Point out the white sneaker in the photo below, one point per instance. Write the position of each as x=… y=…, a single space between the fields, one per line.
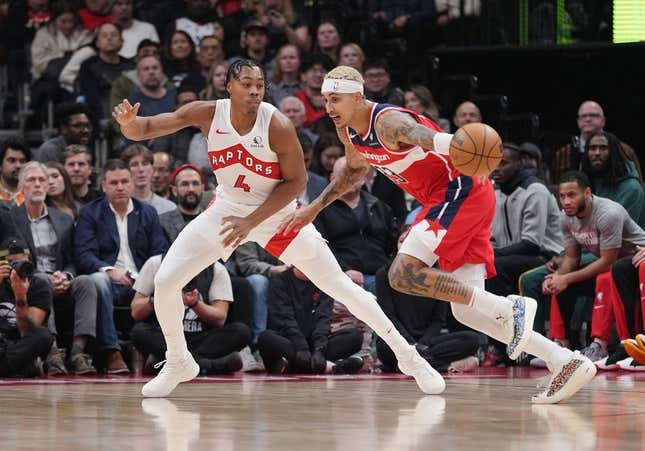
x=172 y=374
x=523 y=316
x=428 y=379
x=567 y=380
x=629 y=364
x=249 y=362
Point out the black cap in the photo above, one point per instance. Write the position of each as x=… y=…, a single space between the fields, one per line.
x=13 y=245
x=532 y=150
x=255 y=24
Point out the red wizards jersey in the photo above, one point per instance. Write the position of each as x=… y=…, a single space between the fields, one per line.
x=459 y=204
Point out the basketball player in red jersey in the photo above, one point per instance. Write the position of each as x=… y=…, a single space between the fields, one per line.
x=452 y=230
x=258 y=162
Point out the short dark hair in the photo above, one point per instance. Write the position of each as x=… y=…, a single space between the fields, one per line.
x=114 y=164
x=235 y=69
x=376 y=63
x=134 y=150
x=66 y=110
x=576 y=176
x=76 y=149
x=15 y=144
x=316 y=59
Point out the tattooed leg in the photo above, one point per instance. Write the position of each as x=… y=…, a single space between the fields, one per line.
x=412 y=276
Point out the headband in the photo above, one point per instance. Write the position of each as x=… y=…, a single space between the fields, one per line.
x=187 y=166
x=341 y=86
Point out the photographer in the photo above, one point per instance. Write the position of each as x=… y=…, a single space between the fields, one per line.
x=25 y=303
x=207 y=299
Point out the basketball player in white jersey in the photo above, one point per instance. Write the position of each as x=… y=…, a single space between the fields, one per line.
x=260 y=170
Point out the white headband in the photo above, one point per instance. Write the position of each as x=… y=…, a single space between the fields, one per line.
x=341 y=86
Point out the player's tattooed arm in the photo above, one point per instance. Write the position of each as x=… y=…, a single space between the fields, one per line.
x=398 y=129
x=356 y=168
x=411 y=276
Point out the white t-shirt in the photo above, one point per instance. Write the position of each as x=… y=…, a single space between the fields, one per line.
x=220 y=289
x=134 y=35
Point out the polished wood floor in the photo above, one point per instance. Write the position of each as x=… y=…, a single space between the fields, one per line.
x=489 y=410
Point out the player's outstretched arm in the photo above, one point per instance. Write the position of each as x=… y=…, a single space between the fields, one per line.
x=197 y=114
x=396 y=128
x=356 y=168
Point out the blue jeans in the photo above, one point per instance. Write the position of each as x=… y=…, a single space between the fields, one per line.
x=369 y=283
x=260 y=285
x=109 y=295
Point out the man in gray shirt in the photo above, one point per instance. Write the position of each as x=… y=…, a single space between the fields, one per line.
x=601 y=227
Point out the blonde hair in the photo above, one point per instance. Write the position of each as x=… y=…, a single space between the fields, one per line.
x=357 y=48
x=345 y=73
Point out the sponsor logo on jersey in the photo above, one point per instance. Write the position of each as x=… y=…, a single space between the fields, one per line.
x=257 y=141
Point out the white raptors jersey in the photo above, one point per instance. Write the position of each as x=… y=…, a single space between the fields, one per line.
x=246 y=168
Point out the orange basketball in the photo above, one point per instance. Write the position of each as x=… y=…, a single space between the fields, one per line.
x=476 y=149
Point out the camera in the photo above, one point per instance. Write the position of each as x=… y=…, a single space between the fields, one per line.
x=24 y=268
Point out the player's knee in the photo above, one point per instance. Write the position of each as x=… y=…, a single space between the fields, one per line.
x=164 y=279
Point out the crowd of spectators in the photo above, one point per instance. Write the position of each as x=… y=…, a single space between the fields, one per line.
x=568 y=232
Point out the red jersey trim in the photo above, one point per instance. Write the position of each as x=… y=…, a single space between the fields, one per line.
x=369 y=127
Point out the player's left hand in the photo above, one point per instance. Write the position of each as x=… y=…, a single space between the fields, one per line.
x=234 y=230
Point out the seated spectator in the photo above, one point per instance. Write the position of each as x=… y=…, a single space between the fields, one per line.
x=285 y=26
x=628 y=274
x=612 y=175
x=214 y=341
x=198 y=22
x=313 y=71
x=139 y=159
x=352 y=55
x=526 y=226
x=162 y=167
x=294 y=109
x=51 y=49
x=378 y=87
x=198 y=157
x=98 y=73
x=360 y=229
x=209 y=53
x=215 y=83
x=187 y=185
x=467 y=112
x=26 y=303
x=133 y=31
x=13 y=155
x=327 y=150
x=258 y=266
x=114 y=237
x=235 y=21
x=603 y=228
x=179 y=57
x=95 y=13
x=286 y=74
x=591 y=119
x=315 y=183
x=387 y=192
x=74 y=127
x=48 y=233
x=418 y=98
x=77 y=162
x=59 y=190
x=151 y=92
x=299 y=339
x=255 y=41
x=127 y=83
x=420 y=321
x=17 y=32
x=328 y=41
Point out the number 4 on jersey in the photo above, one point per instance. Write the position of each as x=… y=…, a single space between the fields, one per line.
x=239 y=183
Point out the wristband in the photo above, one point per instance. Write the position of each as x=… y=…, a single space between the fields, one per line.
x=441 y=143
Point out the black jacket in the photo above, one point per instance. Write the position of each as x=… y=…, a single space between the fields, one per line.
x=364 y=247
x=299 y=311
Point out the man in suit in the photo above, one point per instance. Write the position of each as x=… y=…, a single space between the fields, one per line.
x=114 y=237
x=48 y=233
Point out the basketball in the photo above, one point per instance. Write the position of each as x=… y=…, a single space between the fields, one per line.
x=476 y=149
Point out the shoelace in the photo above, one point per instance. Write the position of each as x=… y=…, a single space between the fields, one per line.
x=158 y=364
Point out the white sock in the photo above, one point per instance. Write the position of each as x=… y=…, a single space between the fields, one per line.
x=493 y=306
x=553 y=354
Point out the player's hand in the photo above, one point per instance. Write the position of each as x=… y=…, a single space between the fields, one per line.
x=124 y=113
x=234 y=230
x=639 y=257
x=297 y=220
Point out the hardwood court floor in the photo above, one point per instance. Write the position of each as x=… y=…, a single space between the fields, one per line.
x=489 y=410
